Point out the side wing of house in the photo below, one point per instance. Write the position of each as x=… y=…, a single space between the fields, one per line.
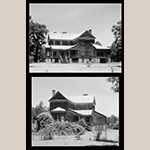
x=98 y=119
x=83 y=50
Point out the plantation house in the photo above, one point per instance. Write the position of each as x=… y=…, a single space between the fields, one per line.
x=73 y=108
x=67 y=48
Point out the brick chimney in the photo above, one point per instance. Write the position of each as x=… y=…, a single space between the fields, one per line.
x=53 y=92
x=90 y=30
x=64 y=32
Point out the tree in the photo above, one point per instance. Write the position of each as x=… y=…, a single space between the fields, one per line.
x=115 y=83
x=116 y=47
x=37 y=110
x=44 y=119
x=37 y=34
x=113 y=122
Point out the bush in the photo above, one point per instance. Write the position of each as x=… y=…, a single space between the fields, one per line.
x=47 y=133
x=46 y=127
x=99 y=130
x=43 y=120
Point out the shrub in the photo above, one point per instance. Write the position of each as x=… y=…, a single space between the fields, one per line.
x=43 y=120
x=47 y=127
x=47 y=133
x=99 y=130
x=67 y=128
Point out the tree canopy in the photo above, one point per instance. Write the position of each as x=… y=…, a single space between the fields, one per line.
x=116 y=47
x=38 y=109
x=115 y=83
x=113 y=122
x=37 y=34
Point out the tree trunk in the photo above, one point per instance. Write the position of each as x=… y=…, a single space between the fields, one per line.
x=36 y=55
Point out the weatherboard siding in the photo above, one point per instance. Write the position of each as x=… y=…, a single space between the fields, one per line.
x=82 y=48
x=61 y=104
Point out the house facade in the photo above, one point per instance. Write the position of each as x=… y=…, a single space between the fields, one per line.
x=73 y=108
x=75 y=48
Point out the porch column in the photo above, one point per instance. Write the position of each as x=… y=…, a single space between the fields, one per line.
x=78 y=117
x=69 y=53
x=109 y=59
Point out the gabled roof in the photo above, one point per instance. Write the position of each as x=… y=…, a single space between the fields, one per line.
x=57 y=93
x=85 y=33
x=58 y=109
x=62 y=36
x=67 y=36
x=99 y=113
x=100 y=47
x=82 y=112
x=82 y=99
x=76 y=99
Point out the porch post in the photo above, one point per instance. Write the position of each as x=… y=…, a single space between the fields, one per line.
x=69 y=53
x=78 y=117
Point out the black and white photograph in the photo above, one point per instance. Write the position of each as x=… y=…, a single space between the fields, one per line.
x=75 y=38
x=75 y=111
x=75 y=70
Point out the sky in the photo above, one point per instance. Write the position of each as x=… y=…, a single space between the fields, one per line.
x=107 y=102
x=76 y=18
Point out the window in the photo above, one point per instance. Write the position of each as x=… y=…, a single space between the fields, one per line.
x=51 y=42
x=100 y=53
x=71 y=43
x=54 y=53
x=73 y=52
x=87 y=119
x=57 y=42
x=64 y=42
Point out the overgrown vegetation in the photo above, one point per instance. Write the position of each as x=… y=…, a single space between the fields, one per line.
x=115 y=83
x=37 y=34
x=45 y=127
x=116 y=47
x=38 y=109
x=112 y=122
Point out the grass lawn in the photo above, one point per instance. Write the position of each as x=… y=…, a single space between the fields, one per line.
x=85 y=140
x=74 y=67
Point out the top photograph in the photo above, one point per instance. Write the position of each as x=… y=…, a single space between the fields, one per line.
x=75 y=38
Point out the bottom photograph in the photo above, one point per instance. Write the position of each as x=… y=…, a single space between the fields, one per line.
x=75 y=111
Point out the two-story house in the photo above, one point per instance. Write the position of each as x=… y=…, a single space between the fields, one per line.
x=73 y=108
x=66 y=48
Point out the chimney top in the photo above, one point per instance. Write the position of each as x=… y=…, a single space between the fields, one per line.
x=64 y=32
x=90 y=30
x=53 y=92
